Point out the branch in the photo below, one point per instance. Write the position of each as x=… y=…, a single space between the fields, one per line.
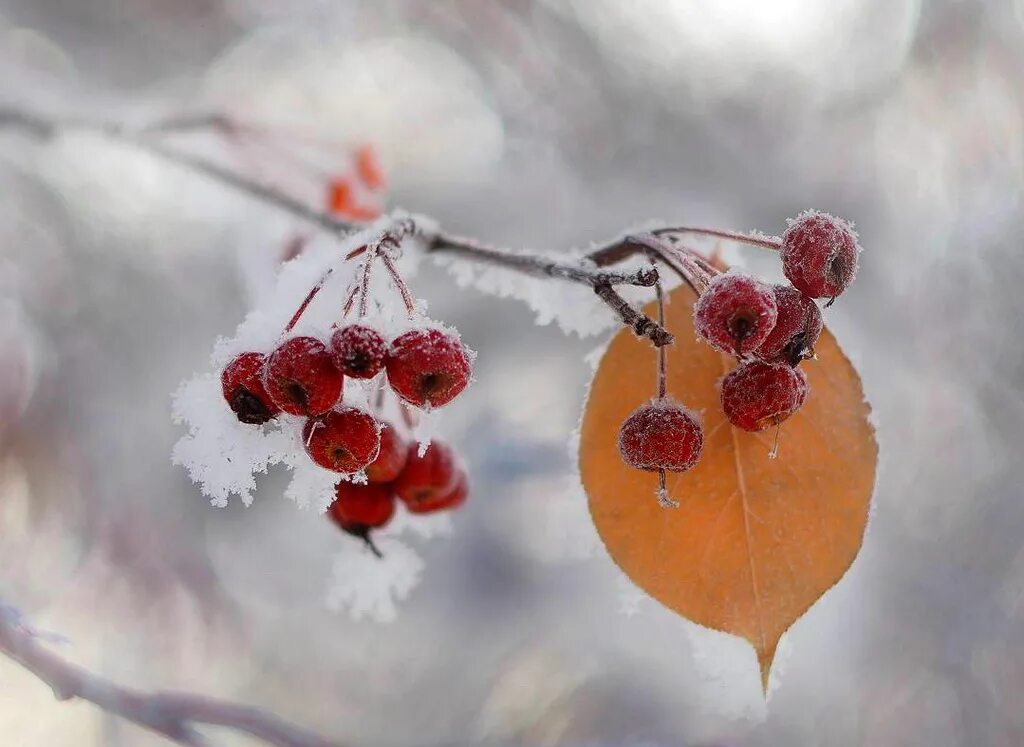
x=42 y=127
x=173 y=715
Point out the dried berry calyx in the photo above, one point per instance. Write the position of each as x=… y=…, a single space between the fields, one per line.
x=359 y=509
x=344 y=440
x=427 y=367
x=819 y=254
x=242 y=384
x=735 y=313
x=301 y=378
x=358 y=351
x=758 y=395
x=661 y=435
x=797 y=328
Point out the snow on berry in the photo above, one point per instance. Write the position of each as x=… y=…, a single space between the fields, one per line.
x=428 y=367
x=661 y=434
x=819 y=254
x=344 y=440
x=797 y=328
x=358 y=351
x=242 y=385
x=735 y=313
x=758 y=395
x=301 y=377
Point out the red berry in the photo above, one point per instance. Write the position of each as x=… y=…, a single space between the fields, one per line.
x=358 y=351
x=758 y=395
x=343 y=440
x=359 y=508
x=453 y=498
x=427 y=367
x=819 y=254
x=796 y=330
x=427 y=478
x=242 y=384
x=802 y=389
x=735 y=313
x=661 y=435
x=391 y=459
x=301 y=379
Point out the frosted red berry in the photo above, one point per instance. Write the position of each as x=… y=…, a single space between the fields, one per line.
x=819 y=254
x=301 y=378
x=802 y=389
x=797 y=328
x=735 y=313
x=427 y=367
x=358 y=351
x=661 y=435
x=758 y=395
x=427 y=478
x=392 y=456
x=446 y=501
x=364 y=507
x=242 y=384
x=343 y=440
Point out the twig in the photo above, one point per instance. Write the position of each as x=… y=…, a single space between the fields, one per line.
x=43 y=127
x=173 y=715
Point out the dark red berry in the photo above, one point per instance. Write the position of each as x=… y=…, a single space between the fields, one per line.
x=427 y=367
x=797 y=328
x=393 y=453
x=301 y=379
x=453 y=498
x=735 y=313
x=661 y=435
x=242 y=384
x=361 y=507
x=819 y=254
x=427 y=478
x=758 y=395
x=358 y=351
x=343 y=440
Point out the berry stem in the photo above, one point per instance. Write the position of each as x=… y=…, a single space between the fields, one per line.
x=662 y=351
x=306 y=301
x=762 y=241
x=407 y=299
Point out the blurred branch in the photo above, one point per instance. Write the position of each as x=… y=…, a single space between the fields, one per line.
x=173 y=715
x=143 y=138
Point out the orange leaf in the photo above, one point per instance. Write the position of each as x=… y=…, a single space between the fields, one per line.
x=755 y=541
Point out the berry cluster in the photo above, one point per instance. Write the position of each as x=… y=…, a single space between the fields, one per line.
x=425 y=483
x=769 y=329
x=304 y=376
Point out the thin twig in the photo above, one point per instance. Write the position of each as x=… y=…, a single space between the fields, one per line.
x=173 y=715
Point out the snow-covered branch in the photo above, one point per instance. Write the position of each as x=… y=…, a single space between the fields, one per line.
x=176 y=716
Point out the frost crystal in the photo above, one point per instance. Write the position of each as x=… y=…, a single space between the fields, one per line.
x=366 y=586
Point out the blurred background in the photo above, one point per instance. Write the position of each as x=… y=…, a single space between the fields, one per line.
x=546 y=124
